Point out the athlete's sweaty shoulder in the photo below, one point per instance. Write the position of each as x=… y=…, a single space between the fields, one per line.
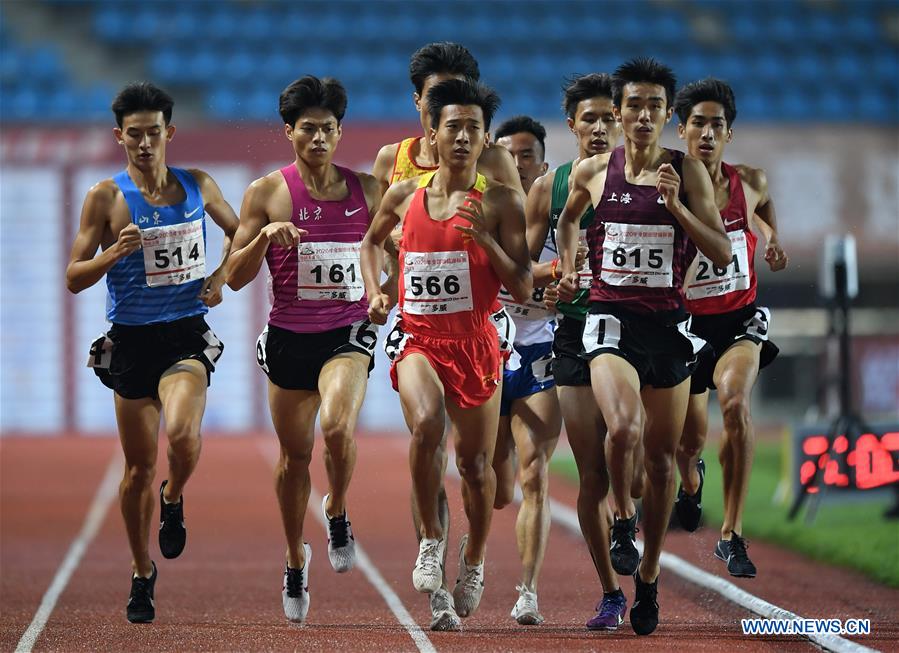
x=371 y=187
x=399 y=194
x=588 y=169
x=541 y=190
x=755 y=178
x=497 y=164
x=499 y=199
x=384 y=162
x=268 y=195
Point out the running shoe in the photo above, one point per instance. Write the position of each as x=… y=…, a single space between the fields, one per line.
x=341 y=545
x=733 y=552
x=469 y=584
x=443 y=611
x=688 y=507
x=609 y=612
x=141 y=607
x=428 y=573
x=172 y=534
x=295 y=593
x=623 y=550
x=645 y=611
x=525 y=610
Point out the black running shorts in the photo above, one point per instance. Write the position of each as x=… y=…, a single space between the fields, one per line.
x=569 y=365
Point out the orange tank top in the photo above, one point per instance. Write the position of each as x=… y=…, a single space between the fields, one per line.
x=447 y=284
x=404 y=166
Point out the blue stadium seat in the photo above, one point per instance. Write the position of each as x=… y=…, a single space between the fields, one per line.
x=225 y=102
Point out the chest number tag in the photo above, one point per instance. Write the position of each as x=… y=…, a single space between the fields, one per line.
x=436 y=282
x=329 y=271
x=174 y=254
x=638 y=255
x=705 y=279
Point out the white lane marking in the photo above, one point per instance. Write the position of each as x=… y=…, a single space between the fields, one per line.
x=374 y=577
x=106 y=493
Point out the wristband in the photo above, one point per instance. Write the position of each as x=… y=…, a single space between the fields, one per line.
x=552 y=268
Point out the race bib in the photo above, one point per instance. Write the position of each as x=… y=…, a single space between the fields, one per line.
x=705 y=279
x=330 y=271
x=174 y=254
x=436 y=283
x=638 y=255
x=532 y=309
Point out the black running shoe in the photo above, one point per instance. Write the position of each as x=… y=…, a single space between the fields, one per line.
x=141 y=608
x=645 y=611
x=172 y=534
x=733 y=552
x=688 y=507
x=625 y=557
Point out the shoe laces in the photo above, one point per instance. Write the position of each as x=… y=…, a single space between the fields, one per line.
x=611 y=605
x=526 y=598
x=428 y=558
x=738 y=547
x=472 y=579
x=622 y=528
x=338 y=531
x=173 y=512
x=441 y=601
x=293 y=579
x=140 y=589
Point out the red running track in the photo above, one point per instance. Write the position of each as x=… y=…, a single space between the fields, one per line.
x=223 y=593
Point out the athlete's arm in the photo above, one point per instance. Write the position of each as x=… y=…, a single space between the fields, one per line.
x=765 y=216
x=223 y=215
x=85 y=269
x=504 y=243
x=383 y=168
x=701 y=221
x=497 y=164
x=579 y=200
x=372 y=249
x=255 y=233
x=536 y=219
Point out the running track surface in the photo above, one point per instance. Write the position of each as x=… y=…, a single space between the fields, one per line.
x=223 y=593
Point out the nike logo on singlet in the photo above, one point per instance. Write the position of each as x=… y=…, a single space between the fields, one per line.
x=187 y=215
x=349 y=213
x=660 y=200
x=728 y=223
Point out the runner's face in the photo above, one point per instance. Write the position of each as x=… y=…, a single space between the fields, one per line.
x=706 y=132
x=595 y=126
x=144 y=135
x=421 y=101
x=528 y=154
x=643 y=112
x=315 y=136
x=461 y=137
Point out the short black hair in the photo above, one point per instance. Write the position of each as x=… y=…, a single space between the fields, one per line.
x=705 y=90
x=583 y=87
x=646 y=70
x=309 y=93
x=142 y=96
x=523 y=124
x=463 y=92
x=442 y=57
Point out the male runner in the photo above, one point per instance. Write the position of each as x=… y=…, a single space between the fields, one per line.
x=635 y=336
x=307 y=220
x=430 y=65
x=462 y=237
x=722 y=302
x=530 y=421
x=159 y=354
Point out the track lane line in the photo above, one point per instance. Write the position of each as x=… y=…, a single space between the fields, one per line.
x=419 y=637
x=103 y=499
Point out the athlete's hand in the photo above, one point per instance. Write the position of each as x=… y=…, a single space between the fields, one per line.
x=551 y=297
x=668 y=185
x=473 y=211
x=580 y=258
x=283 y=234
x=128 y=241
x=378 y=307
x=568 y=287
x=211 y=292
x=774 y=254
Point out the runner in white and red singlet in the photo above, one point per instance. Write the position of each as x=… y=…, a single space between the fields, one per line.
x=722 y=302
x=649 y=204
x=307 y=221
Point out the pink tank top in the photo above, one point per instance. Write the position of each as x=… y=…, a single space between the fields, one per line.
x=318 y=285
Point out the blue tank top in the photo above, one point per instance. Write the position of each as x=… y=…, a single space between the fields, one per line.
x=161 y=281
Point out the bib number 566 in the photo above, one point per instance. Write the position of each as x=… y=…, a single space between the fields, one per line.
x=432 y=286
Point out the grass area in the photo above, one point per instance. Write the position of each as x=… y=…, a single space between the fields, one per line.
x=852 y=535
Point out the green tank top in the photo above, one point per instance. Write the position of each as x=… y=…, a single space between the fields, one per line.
x=579 y=307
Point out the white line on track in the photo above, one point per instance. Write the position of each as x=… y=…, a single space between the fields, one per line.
x=421 y=639
x=106 y=493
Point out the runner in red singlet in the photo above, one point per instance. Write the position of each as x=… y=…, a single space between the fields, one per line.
x=462 y=238
x=649 y=203
x=722 y=302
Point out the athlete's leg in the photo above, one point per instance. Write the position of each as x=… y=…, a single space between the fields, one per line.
x=476 y=438
x=665 y=409
x=692 y=441
x=182 y=392
x=293 y=415
x=505 y=462
x=536 y=423
x=138 y=423
x=341 y=385
x=735 y=375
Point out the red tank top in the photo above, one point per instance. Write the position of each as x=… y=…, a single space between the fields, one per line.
x=712 y=290
x=447 y=285
x=639 y=252
x=318 y=286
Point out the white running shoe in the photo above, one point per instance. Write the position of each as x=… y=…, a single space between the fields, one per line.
x=341 y=545
x=443 y=612
x=525 y=611
x=295 y=594
x=428 y=573
x=469 y=584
